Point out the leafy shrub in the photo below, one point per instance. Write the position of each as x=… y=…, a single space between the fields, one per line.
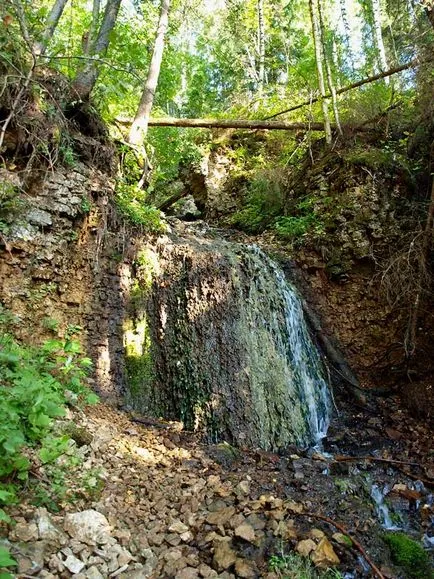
x=410 y=555
x=131 y=202
x=35 y=385
x=264 y=202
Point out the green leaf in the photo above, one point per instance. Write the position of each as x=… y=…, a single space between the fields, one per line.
x=4 y=517
x=5 y=558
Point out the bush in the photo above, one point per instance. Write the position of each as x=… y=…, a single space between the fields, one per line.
x=131 y=202
x=36 y=383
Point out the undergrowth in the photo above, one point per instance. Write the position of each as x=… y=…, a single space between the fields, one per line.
x=131 y=202
x=294 y=566
x=36 y=385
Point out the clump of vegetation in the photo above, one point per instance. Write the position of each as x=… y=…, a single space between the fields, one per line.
x=295 y=566
x=410 y=555
x=11 y=205
x=131 y=202
x=36 y=384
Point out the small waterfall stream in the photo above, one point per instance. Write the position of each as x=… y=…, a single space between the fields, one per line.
x=225 y=347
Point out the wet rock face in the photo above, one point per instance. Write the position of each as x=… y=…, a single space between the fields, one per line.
x=230 y=352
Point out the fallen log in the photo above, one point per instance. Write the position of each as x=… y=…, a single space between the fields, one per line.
x=367 y=80
x=248 y=124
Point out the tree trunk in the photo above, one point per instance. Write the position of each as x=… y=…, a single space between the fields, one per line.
x=139 y=127
x=51 y=23
x=330 y=82
x=92 y=34
x=318 y=57
x=378 y=36
x=261 y=45
x=349 y=87
x=246 y=124
x=85 y=80
x=347 y=29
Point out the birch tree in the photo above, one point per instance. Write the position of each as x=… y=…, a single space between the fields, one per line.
x=86 y=78
x=139 y=127
x=378 y=36
x=330 y=83
x=50 y=25
x=261 y=47
x=320 y=74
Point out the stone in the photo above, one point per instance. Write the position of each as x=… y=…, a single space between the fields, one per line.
x=90 y=527
x=26 y=532
x=342 y=539
x=178 y=527
x=47 y=530
x=224 y=556
x=324 y=555
x=187 y=573
x=206 y=571
x=246 y=532
x=305 y=547
x=39 y=217
x=220 y=517
x=317 y=534
x=244 y=568
x=73 y=564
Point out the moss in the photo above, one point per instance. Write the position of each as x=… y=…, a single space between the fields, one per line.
x=410 y=555
x=138 y=359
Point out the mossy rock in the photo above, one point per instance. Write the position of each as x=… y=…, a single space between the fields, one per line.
x=410 y=555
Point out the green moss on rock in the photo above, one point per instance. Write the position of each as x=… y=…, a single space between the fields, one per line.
x=409 y=555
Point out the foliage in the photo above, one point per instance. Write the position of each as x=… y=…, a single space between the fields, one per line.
x=131 y=201
x=263 y=202
x=36 y=384
x=10 y=205
x=294 y=566
x=410 y=555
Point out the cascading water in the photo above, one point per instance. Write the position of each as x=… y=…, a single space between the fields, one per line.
x=229 y=348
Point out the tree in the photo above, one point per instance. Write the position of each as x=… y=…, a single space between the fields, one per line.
x=51 y=23
x=261 y=47
x=320 y=74
x=330 y=83
x=86 y=78
x=378 y=36
x=139 y=127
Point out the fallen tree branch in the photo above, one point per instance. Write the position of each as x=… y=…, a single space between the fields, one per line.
x=369 y=79
x=356 y=543
x=247 y=124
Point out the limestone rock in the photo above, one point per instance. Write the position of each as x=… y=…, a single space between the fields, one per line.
x=187 y=573
x=178 y=527
x=305 y=547
x=47 y=529
x=220 y=517
x=244 y=568
x=246 y=532
x=90 y=527
x=26 y=532
x=224 y=556
x=324 y=555
x=73 y=564
x=93 y=573
x=342 y=539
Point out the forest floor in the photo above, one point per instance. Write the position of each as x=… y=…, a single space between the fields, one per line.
x=147 y=499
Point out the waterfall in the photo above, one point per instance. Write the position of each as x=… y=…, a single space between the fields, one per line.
x=230 y=351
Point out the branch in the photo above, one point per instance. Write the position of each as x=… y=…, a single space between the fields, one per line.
x=369 y=79
x=93 y=58
x=356 y=543
x=246 y=124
